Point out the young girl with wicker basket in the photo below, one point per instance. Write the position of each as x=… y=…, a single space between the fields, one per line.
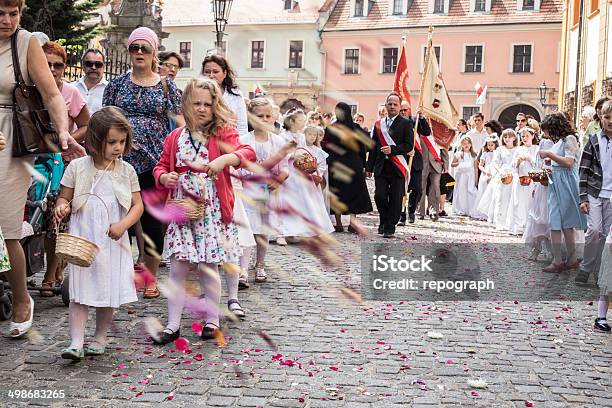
x=271 y=151
x=313 y=134
x=195 y=168
x=502 y=163
x=103 y=193
x=466 y=179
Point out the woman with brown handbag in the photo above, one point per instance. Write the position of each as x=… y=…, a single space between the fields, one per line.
x=14 y=176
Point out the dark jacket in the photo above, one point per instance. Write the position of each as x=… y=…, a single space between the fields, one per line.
x=402 y=133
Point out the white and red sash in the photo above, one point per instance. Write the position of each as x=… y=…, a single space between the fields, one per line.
x=382 y=132
x=433 y=148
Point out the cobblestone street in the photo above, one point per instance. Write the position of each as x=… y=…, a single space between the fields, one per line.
x=326 y=349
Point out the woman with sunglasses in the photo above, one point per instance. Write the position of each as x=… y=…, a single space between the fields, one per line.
x=147 y=100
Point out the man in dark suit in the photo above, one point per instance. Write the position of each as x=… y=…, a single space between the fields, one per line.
x=388 y=160
x=414 y=187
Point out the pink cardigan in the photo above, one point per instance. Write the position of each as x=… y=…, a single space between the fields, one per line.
x=223 y=142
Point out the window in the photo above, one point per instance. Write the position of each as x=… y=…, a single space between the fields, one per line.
x=390 y=56
x=594 y=6
x=521 y=58
x=353 y=110
x=296 y=49
x=360 y=8
x=257 y=54
x=469 y=111
x=351 y=61
x=438 y=7
x=481 y=5
x=473 y=58
x=398 y=7
x=288 y=5
x=437 y=51
x=185 y=51
x=528 y=4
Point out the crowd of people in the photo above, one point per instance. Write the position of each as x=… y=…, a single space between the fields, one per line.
x=205 y=179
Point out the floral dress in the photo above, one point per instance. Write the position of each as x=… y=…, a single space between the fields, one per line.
x=4 y=259
x=207 y=240
x=147 y=109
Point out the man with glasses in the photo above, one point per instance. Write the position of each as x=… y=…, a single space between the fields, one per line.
x=521 y=122
x=91 y=86
x=170 y=63
x=478 y=135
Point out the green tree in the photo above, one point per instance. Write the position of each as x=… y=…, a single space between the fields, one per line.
x=62 y=19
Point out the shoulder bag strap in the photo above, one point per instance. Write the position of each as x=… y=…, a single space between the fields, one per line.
x=16 y=66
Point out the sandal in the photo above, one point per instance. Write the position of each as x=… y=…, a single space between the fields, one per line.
x=554 y=268
x=94 y=349
x=338 y=228
x=260 y=274
x=47 y=293
x=151 y=293
x=209 y=331
x=234 y=306
x=73 y=354
x=243 y=283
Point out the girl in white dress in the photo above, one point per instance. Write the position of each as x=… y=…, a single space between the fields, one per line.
x=103 y=193
x=502 y=163
x=485 y=165
x=522 y=163
x=537 y=228
x=261 y=187
x=195 y=163
x=466 y=174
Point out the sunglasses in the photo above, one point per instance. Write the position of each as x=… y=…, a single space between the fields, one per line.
x=56 y=65
x=521 y=120
x=170 y=66
x=145 y=48
x=91 y=64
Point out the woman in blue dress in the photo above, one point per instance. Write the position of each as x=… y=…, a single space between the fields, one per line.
x=147 y=101
x=563 y=196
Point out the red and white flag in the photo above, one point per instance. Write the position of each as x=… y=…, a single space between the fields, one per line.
x=481 y=94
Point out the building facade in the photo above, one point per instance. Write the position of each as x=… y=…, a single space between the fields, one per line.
x=272 y=45
x=511 y=46
x=586 y=73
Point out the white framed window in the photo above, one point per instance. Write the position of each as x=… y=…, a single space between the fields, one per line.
x=390 y=57
x=288 y=4
x=296 y=54
x=351 y=60
x=521 y=57
x=185 y=52
x=258 y=52
x=437 y=51
x=362 y=8
x=473 y=58
x=438 y=6
x=480 y=6
x=467 y=111
x=398 y=7
x=528 y=5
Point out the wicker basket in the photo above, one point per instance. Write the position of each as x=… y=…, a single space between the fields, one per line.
x=541 y=176
x=193 y=209
x=74 y=249
x=506 y=179
x=525 y=180
x=306 y=162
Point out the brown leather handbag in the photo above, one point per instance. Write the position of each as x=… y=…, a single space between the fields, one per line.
x=33 y=132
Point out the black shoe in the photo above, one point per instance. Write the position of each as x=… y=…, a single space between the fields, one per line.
x=381 y=229
x=209 y=331
x=443 y=214
x=604 y=327
x=388 y=235
x=411 y=218
x=582 y=277
x=165 y=338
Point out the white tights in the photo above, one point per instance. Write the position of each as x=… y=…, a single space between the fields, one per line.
x=211 y=288
x=78 y=321
x=602 y=306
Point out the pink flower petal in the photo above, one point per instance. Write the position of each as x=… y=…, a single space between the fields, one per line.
x=529 y=404
x=181 y=344
x=197 y=357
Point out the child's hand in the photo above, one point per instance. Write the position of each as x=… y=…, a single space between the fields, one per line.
x=215 y=167
x=169 y=180
x=544 y=154
x=61 y=211
x=2 y=142
x=116 y=231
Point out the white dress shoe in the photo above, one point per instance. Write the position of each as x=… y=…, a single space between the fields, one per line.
x=22 y=328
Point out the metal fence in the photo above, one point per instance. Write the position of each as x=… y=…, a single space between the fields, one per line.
x=117 y=63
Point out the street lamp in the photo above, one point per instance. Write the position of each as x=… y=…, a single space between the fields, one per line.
x=544 y=97
x=221 y=10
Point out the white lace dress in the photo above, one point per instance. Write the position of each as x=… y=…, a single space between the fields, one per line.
x=503 y=192
x=465 y=193
x=521 y=195
x=207 y=240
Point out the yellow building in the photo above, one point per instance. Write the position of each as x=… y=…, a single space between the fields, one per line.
x=586 y=61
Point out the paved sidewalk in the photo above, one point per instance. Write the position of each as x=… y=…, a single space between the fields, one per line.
x=327 y=350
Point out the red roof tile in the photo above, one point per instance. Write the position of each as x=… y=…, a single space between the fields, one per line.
x=502 y=12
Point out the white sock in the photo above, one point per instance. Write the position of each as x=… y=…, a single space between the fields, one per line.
x=78 y=321
x=602 y=306
x=231 y=280
x=177 y=276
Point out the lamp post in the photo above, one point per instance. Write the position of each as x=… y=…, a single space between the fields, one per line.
x=544 y=97
x=221 y=10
